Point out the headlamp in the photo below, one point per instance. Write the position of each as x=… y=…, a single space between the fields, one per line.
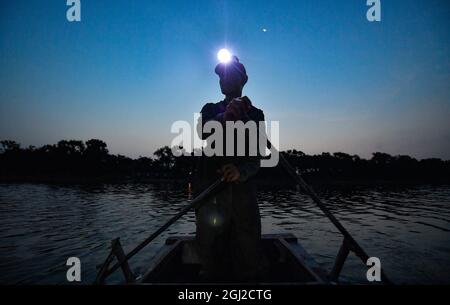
x=224 y=56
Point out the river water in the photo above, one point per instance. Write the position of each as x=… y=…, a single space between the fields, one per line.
x=407 y=227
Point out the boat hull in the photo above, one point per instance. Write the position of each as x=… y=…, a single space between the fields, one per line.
x=177 y=263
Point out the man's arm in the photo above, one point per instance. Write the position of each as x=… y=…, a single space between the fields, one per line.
x=208 y=113
x=249 y=167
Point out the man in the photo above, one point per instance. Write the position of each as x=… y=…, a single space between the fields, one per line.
x=229 y=225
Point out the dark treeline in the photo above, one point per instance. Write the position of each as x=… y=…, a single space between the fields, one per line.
x=91 y=159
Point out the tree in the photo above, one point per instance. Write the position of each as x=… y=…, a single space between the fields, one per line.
x=381 y=158
x=165 y=157
x=8 y=145
x=96 y=147
x=343 y=156
x=71 y=147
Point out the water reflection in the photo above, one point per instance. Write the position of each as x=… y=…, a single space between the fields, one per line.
x=408 y=228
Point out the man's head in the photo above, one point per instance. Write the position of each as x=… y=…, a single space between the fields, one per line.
x=233 y=77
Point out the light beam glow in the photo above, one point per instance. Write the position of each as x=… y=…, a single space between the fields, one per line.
x=224 y=56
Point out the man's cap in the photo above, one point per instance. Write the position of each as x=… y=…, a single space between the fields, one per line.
x=232 y=67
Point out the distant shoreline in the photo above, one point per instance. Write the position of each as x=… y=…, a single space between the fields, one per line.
x=78 y=162
x=70 y=179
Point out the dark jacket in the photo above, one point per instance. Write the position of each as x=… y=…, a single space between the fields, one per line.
x=207 y=166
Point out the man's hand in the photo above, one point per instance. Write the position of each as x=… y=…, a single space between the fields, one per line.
x=230 y=173
x=237 y=109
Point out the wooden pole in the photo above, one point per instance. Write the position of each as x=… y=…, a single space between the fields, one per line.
x=355 y=247
x=213 y=189
x=120 y=254
x=340 y=261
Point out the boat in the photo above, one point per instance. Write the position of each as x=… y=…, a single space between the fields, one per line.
x=177 y=263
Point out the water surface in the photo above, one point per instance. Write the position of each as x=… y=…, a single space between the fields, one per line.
x=407 y=227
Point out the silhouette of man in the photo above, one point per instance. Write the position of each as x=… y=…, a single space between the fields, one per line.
x=229 y=226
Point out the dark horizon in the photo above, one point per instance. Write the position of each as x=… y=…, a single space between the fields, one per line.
x=33 y=147
x=70 y=161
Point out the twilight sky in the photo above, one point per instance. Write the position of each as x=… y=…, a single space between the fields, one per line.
x=129 y=69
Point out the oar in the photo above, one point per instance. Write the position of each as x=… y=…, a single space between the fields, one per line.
x=357 y=249
x=210 y=191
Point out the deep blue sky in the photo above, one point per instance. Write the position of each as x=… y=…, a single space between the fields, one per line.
x=130 y=68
